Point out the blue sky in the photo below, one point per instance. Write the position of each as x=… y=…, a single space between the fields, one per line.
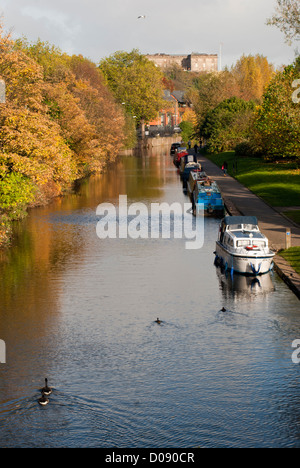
x=98 y=28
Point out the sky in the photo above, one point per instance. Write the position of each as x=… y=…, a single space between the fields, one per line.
x=98 y=28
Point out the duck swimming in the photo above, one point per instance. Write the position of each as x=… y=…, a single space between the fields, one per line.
x=46 y=390
x=158 y=321
x=223 y=309
x=43 y=401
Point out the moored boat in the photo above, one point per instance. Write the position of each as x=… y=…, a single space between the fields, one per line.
x=181 y=152
x=242 y=248
x=187 y=159
x=189 y=167
x=195 y=176
x=207 y=197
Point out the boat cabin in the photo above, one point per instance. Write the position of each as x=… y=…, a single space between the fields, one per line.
x=186 y=159
x=242 y=232
x=207 y=196
x=194 y=177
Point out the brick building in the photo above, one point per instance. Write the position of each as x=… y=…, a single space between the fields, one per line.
x=171 y=114
x=194 y=62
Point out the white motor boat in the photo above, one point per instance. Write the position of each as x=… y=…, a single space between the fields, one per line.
x=242 y=248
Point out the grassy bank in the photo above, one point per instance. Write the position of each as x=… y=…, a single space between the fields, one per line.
x=292 y=256
x=293 y=215
x=278 y=184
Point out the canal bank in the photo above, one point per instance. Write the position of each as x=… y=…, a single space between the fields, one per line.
x=239 y=200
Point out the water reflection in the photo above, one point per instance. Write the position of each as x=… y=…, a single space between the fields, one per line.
x=241 y=287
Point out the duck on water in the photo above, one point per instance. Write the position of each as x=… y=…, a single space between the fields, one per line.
x=46 y=390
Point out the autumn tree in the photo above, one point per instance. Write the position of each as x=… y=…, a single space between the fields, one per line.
x=33 y=154
x=287 y=19
x=252 y=75
x=78 y=100
x=100 y=107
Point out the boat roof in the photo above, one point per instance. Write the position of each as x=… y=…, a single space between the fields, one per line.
x=233 y=220
x=201 y=187
x=198 y=175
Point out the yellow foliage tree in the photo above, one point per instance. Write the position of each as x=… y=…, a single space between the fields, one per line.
x=253 y=74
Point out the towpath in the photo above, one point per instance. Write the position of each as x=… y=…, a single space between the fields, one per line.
x=271 y=223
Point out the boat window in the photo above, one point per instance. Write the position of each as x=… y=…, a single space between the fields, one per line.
x=256 y=243
x=260 y=244
x=242 y=243
x=235 y=227
x=228 y=240
x=250 y=227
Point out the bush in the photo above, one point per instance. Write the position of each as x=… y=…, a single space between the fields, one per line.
x=248 y=149
x=16 y=193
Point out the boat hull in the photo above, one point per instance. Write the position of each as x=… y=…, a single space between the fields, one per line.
x=253 y=265
x=210 y=208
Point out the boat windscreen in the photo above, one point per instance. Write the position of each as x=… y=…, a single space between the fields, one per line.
x=250 y=227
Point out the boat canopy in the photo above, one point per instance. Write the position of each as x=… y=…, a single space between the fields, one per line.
x=234 y=220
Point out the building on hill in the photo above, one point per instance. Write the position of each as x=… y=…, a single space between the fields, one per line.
x=194 y=62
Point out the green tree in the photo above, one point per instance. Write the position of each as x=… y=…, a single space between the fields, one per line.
x=210 y=89
x=278 y=118
x=136 y=83
x=228 y=124
x=187 y=131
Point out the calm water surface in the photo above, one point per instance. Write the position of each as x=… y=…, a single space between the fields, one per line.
x=81 y=311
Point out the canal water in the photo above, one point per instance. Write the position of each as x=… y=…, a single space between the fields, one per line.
x=81 y=311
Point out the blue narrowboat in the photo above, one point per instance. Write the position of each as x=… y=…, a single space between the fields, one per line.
x=208 y=198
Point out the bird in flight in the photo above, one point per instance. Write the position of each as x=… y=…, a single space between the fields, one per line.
x=141 y=16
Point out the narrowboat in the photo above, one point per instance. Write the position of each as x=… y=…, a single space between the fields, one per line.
x=242 y=248
x=195 y=176
x=177 y=157
x=190 y=167
x=174 y=148
x=186 y=159
x=208 y=198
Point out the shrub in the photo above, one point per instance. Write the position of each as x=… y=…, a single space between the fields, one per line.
x=16 y=193
x=248 y=149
